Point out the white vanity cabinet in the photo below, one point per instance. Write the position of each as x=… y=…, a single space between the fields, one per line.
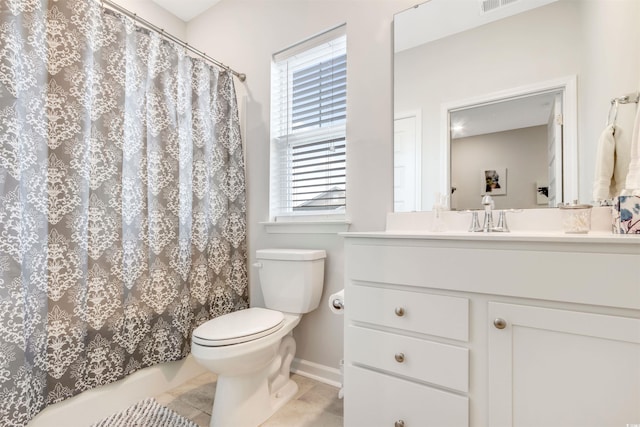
x=550 y=367
x=470 y=330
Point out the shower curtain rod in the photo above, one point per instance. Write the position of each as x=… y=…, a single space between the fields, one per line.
x=171 y=37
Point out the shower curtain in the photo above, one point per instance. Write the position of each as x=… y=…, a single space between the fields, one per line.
x=122 y=200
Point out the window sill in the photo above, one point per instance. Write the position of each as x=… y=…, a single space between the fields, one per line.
x=307 y=227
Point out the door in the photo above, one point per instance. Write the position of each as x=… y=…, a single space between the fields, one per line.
x=554 y=154
x=550 y=367
x=407 y=163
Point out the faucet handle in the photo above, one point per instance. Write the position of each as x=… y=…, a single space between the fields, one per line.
x=502 y=222
x=475 y=223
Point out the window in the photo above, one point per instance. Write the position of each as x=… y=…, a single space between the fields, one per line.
x=308 y=115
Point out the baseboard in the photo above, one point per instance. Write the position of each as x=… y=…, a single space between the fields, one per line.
x=315 y=371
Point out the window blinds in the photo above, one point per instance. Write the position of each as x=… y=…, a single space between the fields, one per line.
x=308 y=115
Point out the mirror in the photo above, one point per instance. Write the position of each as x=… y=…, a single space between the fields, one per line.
x=508 y=147
x=531 y=80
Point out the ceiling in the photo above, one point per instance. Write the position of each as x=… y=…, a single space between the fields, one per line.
x=521 y=112
x=186 y=9
x=433 y=20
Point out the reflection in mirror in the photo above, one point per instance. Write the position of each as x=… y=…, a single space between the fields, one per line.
x=521 y=136
x=452 y=58
x=522 y=133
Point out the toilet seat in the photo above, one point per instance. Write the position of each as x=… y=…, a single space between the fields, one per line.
x=238 y=327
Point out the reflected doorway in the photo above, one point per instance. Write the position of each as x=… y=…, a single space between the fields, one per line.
x=407 y=155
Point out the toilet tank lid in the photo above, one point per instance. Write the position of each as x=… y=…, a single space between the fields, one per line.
x=291 y=254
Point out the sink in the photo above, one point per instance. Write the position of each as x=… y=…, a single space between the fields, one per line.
x=537 y=221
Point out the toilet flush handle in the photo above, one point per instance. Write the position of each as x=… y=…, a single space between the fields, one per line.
x=257 y=264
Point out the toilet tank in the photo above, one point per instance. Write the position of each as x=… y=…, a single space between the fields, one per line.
x=291 y=279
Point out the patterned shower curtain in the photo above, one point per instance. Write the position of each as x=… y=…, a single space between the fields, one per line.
x=122 y=200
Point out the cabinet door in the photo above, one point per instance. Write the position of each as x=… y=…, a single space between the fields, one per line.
x=551 y=367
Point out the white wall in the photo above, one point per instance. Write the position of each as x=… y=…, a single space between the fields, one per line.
x=523 y=152
x=611 y=34
x=244 y=34
x=156 y=15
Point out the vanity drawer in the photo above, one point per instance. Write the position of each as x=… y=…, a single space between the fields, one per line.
x=392 y=400
x=436 y=363
x=441 y=364
x=438 y=315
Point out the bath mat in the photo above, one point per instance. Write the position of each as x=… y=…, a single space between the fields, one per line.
x=146 y=413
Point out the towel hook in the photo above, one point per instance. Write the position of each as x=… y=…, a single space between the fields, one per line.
x=632 y=98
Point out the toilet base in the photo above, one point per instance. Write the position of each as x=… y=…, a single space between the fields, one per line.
x=249 y=400
x=284 y=395
x=246 y=402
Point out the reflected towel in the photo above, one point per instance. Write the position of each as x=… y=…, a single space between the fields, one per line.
x=605 y=164
x=632 y=185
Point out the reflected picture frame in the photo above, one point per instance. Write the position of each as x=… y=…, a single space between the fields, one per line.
x=493 y=181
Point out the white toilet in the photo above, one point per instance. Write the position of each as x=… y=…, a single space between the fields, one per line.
x=252 y=350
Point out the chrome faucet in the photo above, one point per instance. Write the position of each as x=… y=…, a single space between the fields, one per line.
x=487 y=226
x=487 y=202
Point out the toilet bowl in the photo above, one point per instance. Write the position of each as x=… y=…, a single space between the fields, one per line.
x=251 y=350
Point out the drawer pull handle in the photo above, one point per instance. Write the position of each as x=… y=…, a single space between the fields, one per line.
x=399 y=357
x=399 y=311
x=500 y=323
x=399 y=423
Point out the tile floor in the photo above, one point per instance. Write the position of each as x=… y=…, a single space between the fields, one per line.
x=315 y=405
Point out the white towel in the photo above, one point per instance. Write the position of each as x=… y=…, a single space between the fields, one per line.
x=632 y=185
x=605 y=164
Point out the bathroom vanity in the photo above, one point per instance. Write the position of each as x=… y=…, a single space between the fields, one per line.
x=492 y=329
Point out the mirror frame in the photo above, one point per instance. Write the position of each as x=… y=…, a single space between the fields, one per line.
x=568 y=85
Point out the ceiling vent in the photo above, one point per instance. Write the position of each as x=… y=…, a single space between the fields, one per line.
x=489 y=5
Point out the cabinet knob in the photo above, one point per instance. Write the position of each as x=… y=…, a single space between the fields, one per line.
x=500 y=323
x=399 y=311
x=399 y=357
x=399 y=423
